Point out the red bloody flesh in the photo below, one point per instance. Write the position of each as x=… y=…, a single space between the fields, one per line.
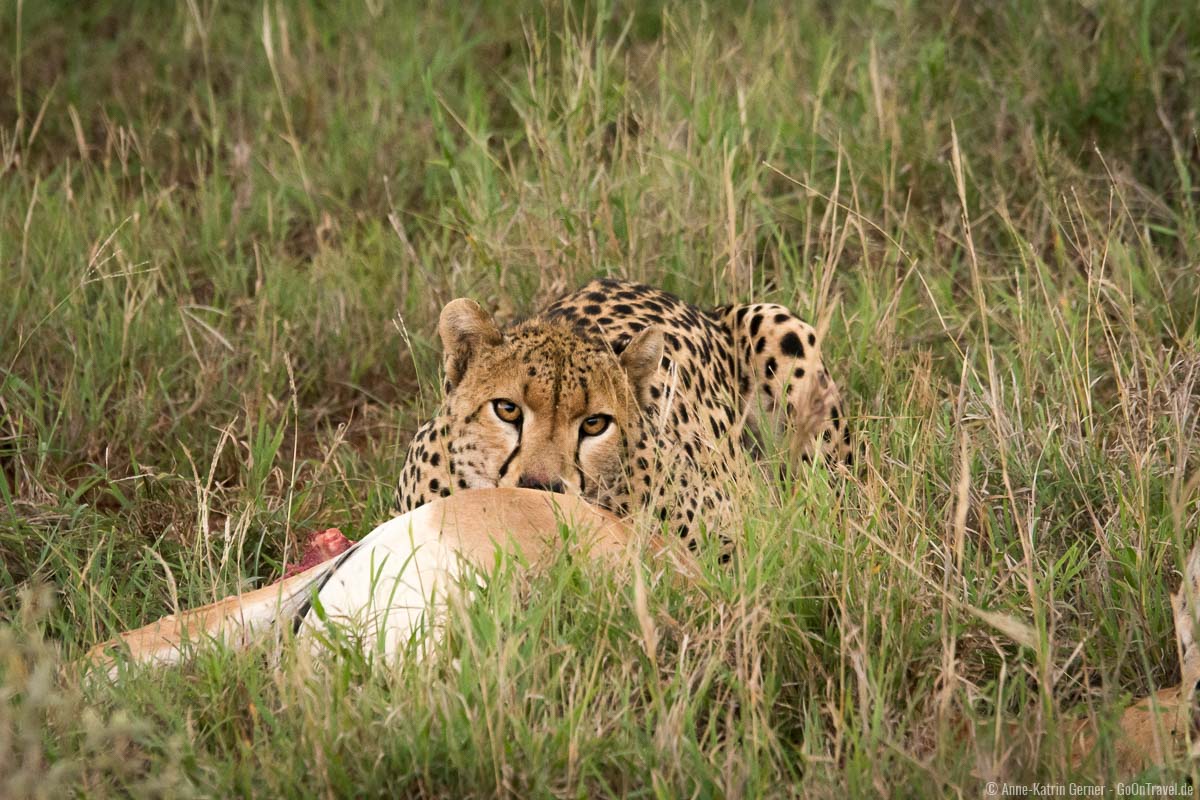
x=319 y=547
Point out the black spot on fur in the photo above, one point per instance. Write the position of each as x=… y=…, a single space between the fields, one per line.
x=791 y=346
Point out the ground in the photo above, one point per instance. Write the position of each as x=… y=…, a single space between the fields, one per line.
x=226 y=231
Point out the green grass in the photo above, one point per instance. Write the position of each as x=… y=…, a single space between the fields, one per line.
x=226 y=231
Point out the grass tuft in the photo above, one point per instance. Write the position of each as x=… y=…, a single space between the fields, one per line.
x=226 y=231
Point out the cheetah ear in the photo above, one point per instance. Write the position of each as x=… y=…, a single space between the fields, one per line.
x=465 y=328
x=641 y=358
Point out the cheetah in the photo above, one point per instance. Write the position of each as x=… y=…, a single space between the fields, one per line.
x=628 y=396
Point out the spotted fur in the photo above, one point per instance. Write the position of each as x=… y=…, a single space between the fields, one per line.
x=687 y=392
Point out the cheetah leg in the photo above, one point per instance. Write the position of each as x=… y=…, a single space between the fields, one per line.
x=783 y=383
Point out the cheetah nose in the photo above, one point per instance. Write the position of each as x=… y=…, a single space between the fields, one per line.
x=545 y=484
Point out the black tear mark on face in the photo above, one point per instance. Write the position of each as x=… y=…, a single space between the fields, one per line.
x=508 y=461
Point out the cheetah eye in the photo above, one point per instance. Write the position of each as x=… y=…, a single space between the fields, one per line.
x=507 y=410
x=595 y=425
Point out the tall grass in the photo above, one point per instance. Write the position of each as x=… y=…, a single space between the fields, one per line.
x=226 y=231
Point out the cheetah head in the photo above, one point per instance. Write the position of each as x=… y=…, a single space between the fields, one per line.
x=540 y=406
